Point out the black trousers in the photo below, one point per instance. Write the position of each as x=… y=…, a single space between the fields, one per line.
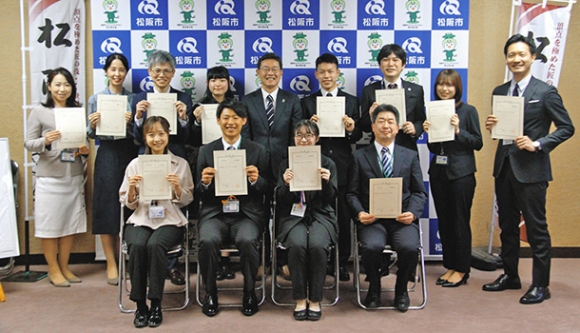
x=148 y=257
x=530 y=199
x=308 y=248
x=403 y=238
x=344 y=246
x=453 y=199
x=221 y=230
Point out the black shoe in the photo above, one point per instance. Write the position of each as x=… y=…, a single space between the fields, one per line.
x=228 y=273
x=300 y=314
x=463 y=280
x=219 y=275
x=440 y=280
x=155 y=316
x=141 y=317
x=343 y=273
x=402 y=301
x=250 y=303
x=314 y=315
x=502 y=283
x=373 y=300
x=535 y=295
x=175 y=276
x=210 y=307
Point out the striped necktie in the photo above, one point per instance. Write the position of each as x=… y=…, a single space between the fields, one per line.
x=386 y=162
x=270 y=110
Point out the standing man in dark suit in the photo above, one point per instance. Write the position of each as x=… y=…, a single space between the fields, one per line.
x=392 y=60
x=522 y=170
x=161 y=68
x=384 y=158
x=272 y=114
x=218 y=225
x=338 y=149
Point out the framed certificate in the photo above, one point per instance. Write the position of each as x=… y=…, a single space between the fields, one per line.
x=509 y=111
x=304 y=161
x=112 y=109
x=154 y=170
x=395 y=97
x=330 y=111
x=439 y=114
x=71 y=122
x=386 y=197
x=230 y=177
x=163 y=105
x=210 y=130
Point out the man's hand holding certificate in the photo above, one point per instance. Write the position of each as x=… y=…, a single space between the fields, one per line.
x=386 y=197
x=230 y=172
x=330 y=111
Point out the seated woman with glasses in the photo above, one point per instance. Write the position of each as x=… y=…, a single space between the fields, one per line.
x=307 y=227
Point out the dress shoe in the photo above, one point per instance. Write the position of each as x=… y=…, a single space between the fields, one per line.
x=219 y=275
x=210 y=307
x=343 y=273
x=502 y=283
x=402 y=301
x=64 y=283
x=300 y=314
x=141 y=317
x=440 y=281
x=155 y=316
x=175 y=276
x=228 y=272
x=535 y=295
x=448 y=284
x=314 y=315
x=373 y=300
x=113 y=281
x=250 y=303
x=74 y=279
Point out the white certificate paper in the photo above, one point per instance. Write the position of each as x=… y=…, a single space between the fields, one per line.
x=395 y=97
x=509 y=111
x=71 y=122
x=112 y=109
x=163 y=105
x=386 y=197
x=230 y=177
x=330 y=111
x=210 y=130
x=304 y=161
x=154 y=170
x=439 y=114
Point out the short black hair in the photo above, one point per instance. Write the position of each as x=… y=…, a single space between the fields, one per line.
x=217 y=72
x=309 y=125
x=395 y=49
x=327 y=58
x=116 y=56
x=270 y=55
x=384 y=108
x=520 y=38
x=238 y=107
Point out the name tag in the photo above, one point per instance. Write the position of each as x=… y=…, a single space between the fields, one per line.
x=298 y=210
x=67 y=156
x=508 y=142
x=231 y=206
x=156 y=212
x=441 y=159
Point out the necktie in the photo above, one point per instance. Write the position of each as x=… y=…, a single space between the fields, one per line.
x=328 y=95
x=386 y=162
x=516 y=91
x=231 y=148
x=392 y=86
x=270 y=110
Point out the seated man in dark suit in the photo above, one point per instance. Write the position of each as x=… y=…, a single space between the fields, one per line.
x=383 y=159
x=242 y=226
x=338 y=148
x=161 y=68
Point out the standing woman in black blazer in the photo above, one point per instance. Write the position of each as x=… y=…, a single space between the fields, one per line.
x=309 y=237
x=452 y=180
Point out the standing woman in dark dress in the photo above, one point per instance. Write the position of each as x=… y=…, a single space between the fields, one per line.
x=453 y=182
x=113 y=156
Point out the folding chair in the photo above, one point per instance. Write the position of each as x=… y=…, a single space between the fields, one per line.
x=418 y=280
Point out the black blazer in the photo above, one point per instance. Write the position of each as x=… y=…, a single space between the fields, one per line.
x=288 y=113
x=543 y=105
x=414 y=102
x=176 y=142
x=338 y=149
x=252 y=205
x=320 y=205
x=365 y=165
x=460 y=152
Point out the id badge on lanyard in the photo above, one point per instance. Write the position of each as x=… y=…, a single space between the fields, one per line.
x=231 y=205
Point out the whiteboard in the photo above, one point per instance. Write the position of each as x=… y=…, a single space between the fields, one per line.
x=8 y=228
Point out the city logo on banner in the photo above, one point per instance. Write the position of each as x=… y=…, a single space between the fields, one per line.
x=300 y=14
x=343 y=46
x=416 y=44
x=373 y=14
x=450 y=14
x=258 y=43
x=225 y=14
x=189 y=48
x=149 y=14
x=108 y=42
x=300 y=85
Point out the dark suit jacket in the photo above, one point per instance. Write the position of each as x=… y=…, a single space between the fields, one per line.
x=543 y=105
x=277 y=139
x=252 y=205
x=176 y=142
x=338 y=149
x=320 y=205
x=461 y=159
x=414 y=102
x=365 y=165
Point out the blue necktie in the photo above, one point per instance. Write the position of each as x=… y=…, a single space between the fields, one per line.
x=516 y=91
x=270 y=110
x=231 y=148
x=386 y=162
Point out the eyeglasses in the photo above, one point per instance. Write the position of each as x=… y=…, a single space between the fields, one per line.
x=307 y=136
x=274 y=70
x=165 y=71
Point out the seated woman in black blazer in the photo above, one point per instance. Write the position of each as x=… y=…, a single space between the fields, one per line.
x=308 y=237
